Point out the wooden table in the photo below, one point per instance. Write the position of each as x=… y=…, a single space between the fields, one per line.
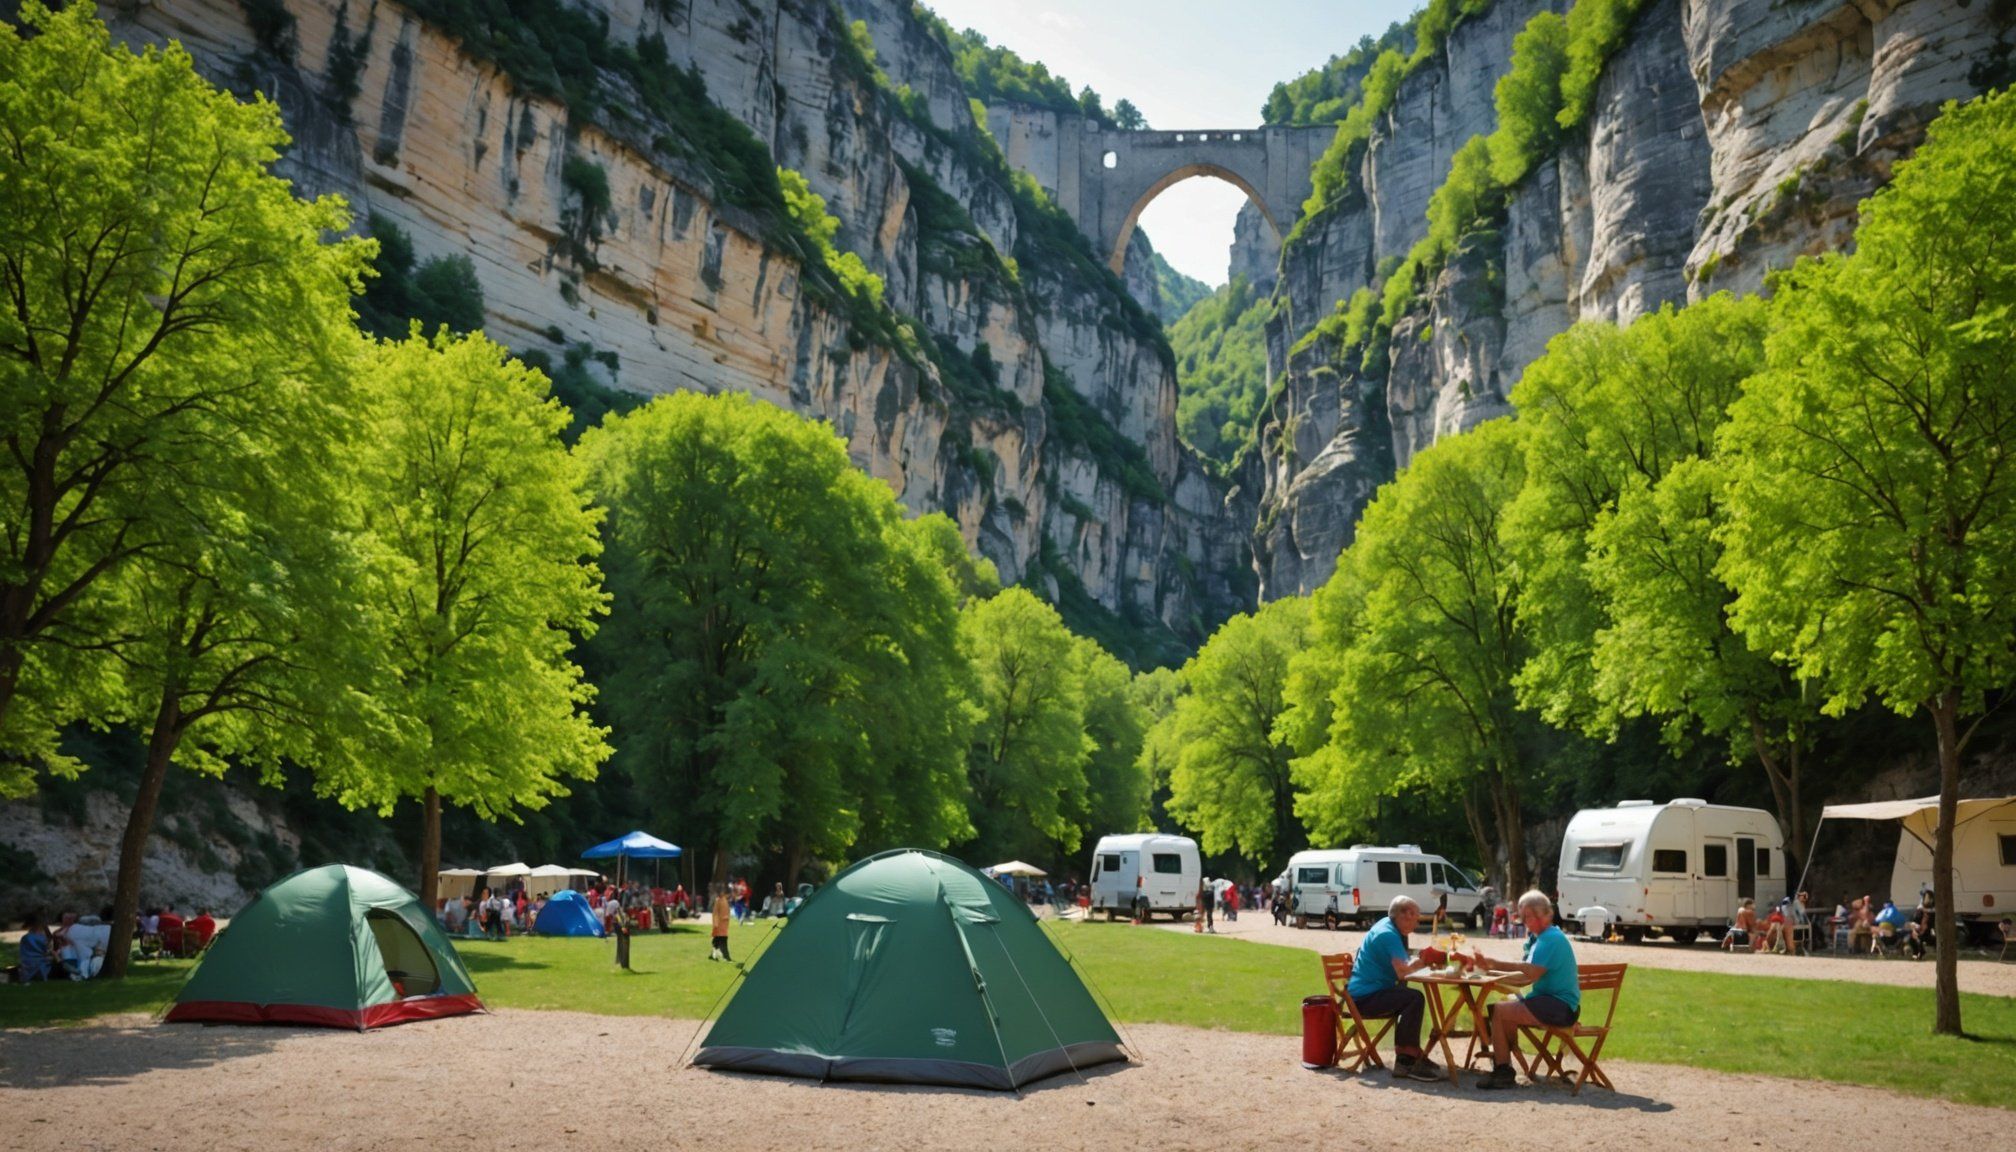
x=1468 y=992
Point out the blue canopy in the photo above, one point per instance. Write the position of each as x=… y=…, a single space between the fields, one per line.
x=567 y=914
x=636 y=846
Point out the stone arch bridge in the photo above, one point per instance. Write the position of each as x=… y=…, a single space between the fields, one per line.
x=1104 y=177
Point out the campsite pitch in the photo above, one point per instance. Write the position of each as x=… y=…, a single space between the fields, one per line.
x=558 y=1080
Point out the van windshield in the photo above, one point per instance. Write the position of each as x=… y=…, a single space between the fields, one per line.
x=1457 y=879
x=1599 y=858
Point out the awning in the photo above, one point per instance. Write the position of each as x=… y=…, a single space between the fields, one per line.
x=1017 y=868
x=467 y=873
x=634 y=845
x=515 y=868
x=1899 y=809
x=551 y=870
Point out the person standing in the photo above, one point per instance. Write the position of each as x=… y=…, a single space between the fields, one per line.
x=722 y=916
x=1232 y=903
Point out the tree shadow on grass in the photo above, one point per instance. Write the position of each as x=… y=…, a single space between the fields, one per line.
x=101 y=1054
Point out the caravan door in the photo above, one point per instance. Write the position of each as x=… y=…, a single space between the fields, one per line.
x=1718 y=883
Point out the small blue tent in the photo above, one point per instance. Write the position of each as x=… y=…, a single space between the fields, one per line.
x=567 y=914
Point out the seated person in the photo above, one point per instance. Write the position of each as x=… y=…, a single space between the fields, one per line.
x=1744 y=926
x=89 y=939
x=1376 y=987
x=1554 y=998
x=201 y=929
x=1862 y=926
x=1892 y=921
x=148 y=933
x=37 y=951
x=773 y=904
x=1771 y=936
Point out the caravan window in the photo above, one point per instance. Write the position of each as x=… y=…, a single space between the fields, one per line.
x=1599 y=858
x=2008 y=850
x=1715 y=860
x=1417 y=872
x=1389 y=871
x=1169 y=863
x=1669 y=860
x=1763 y=861
x=1317 y=875
x=1110 y=862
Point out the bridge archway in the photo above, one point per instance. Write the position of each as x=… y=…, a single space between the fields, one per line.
x=1116 y=258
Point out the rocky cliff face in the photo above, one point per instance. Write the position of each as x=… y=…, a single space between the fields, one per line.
x=1728 y=138
x=676 y=287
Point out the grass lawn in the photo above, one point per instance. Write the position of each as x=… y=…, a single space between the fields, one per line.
x=1801 y=1029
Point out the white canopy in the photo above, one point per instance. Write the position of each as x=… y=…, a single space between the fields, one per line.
x=1017 y=868
x=582 y=872
x=551 y=870
x=515 y=868
x=1901 y=809
x=469 y=873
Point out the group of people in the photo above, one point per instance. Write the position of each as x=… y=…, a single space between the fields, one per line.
x=1785 y=928
x=1553 y=998
x=75 y=946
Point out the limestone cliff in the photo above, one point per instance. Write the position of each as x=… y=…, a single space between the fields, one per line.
x=1728 y=137
x=676 y=282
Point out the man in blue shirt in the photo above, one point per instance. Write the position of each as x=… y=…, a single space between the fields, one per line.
x=1554 y=999
x=1378 y=987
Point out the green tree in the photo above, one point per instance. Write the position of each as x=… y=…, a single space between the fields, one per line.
x=159 y=281
x=483 y=544
x=1528 y=99
x=1116 y=780
x=1872 y=535
x=1232 y=781
x=782 y=655
x=1030 y=749
x=1127 y=117
x=1423 y=637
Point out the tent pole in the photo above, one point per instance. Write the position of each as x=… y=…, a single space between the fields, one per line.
x=1808 y=866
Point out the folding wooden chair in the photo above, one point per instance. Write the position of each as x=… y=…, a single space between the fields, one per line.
x=1553 y=1046
x=1357 y=1043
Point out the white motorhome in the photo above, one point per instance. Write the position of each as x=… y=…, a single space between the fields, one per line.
x=1332 y=886
x=1675 y=868
x=1984 y=853
x=1146 y=872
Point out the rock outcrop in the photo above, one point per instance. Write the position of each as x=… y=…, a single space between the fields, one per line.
x=1727 y=138
x=676 y=285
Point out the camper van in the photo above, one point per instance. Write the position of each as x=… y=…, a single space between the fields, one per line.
x=1332 y=886
x=1145 y=872
x=1674 y=868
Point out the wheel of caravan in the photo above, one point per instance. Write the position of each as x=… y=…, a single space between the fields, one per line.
x=1301 y=921
x=1110 y=917
x=1685 y=935
x=1632 y=935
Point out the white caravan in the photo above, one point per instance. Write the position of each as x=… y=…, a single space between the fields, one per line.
x=1146 y=871
x=1331 y=886
x=1984 y=853
x=1676 y=868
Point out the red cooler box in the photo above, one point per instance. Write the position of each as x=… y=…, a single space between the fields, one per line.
x=1319 y=1032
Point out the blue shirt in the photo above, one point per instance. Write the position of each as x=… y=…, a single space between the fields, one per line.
x=1894 y=916
x=1373 y=971
x=1550 y=950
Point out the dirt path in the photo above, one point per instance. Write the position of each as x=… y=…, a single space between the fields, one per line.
x=601 y=1082
x=1984 y=976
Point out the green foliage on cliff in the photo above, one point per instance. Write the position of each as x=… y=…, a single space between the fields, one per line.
x=993 y=74
x=1221 y=369
x=441 y=290
x=1076 y=423
x=1325 y=95
x=808 y=211
x=1175 y=293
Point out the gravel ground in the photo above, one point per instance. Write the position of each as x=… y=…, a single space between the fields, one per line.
x=1976 y=975
x=555 y=1080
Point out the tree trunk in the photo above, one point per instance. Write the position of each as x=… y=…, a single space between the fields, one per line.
x=1511 y=832
x=430 y=850
x=139 y=824
x=1474 y=817
x=794 y=860
x=1946 y=1013
x=719 y=878
x=1798 y=845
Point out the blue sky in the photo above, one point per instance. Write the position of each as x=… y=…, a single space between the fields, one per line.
x=1185 y=64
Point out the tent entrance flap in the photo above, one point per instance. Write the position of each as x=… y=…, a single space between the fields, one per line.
x=407 y=961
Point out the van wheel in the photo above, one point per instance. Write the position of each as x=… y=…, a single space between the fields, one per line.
x=1477 y=920
x=1632 y=935
x=1109 y=916
x=1685 y=935
x=1301 y=921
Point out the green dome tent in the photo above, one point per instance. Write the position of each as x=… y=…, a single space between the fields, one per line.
x=912 y=967
x=337 y=946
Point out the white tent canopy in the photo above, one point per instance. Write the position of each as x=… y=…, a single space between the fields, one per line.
x=547 y=879
x=515 y=868
x=1017 y=868
x=469 y=873
x=1965 y=810
x=589 y=872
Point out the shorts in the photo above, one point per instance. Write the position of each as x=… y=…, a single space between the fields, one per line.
x=1551 y=1011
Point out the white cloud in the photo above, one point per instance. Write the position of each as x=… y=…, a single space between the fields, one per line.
x=1059 y=21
